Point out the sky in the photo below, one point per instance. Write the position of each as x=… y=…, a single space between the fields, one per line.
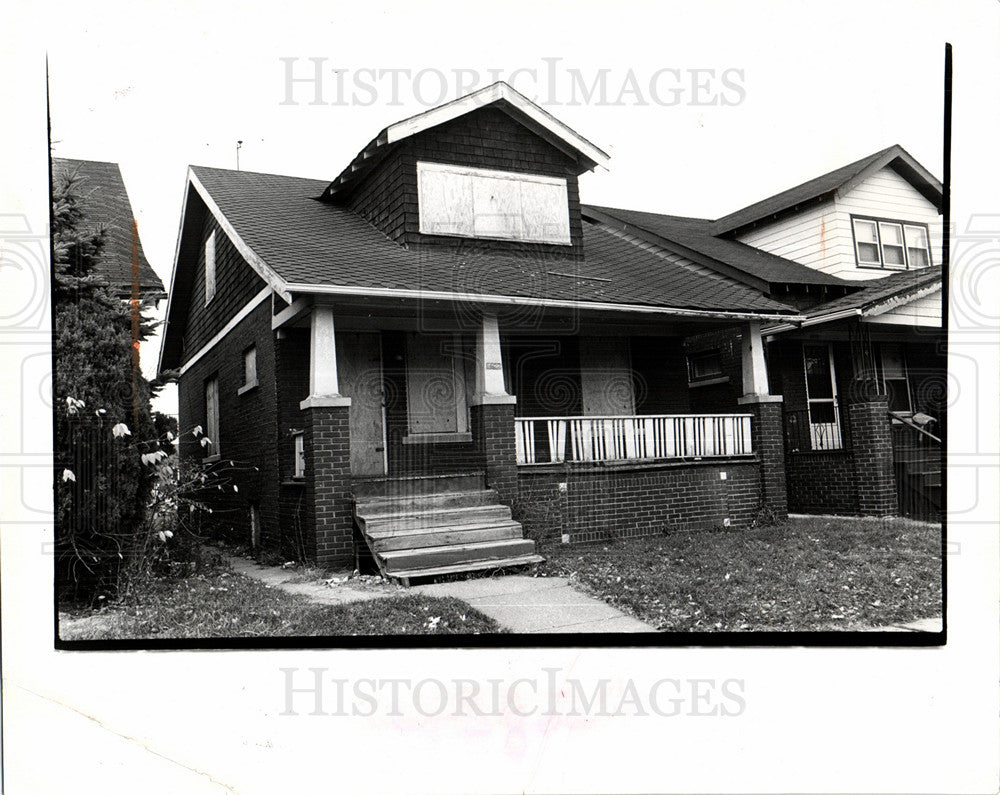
x=700 y=116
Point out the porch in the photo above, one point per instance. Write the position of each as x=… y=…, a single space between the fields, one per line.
x=864 y=421
x=549 y=416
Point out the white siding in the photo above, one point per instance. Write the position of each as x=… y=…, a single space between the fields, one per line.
x=803 y=237
x=884 y=195
x=821 y=237
x=925 y=311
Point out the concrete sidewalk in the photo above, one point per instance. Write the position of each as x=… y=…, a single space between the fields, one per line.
x=519 y=603
x=536 y=604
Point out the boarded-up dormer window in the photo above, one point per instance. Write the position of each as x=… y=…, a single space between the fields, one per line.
x=210 y=267
x=502 y=205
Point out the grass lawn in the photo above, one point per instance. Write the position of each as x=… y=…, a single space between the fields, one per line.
x=219 y=604
x=810 y=574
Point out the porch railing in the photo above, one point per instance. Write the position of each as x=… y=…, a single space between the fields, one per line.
x=544 y=440
x=820 y=429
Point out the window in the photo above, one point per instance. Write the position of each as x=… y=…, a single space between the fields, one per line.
x=917 y=251
x=821 y=396
x=706 y=364
x=476 y=202
x=212 y=416
x=891 y=369
x=893 y=245
x=300 y=454
x=249 y=369
x=210 y=268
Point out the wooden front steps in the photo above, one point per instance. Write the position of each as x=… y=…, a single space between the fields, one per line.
x=427 y=525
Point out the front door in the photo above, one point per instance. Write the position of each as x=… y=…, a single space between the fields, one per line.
x=359 y=367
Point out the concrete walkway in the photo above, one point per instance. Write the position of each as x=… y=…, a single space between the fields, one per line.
x=536 y=604
x=519 y=603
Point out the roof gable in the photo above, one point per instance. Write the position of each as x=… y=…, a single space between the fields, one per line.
x=499 y=95
x=837 y=183
x=105 y=205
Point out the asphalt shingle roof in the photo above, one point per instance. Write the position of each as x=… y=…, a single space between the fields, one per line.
x=105 y=203
x=309 y=242
x=828 y=183
x=698 y=235
x=897 y=284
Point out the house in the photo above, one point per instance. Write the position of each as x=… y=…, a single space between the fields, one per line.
x=106 y=206
x=438 y=354
x=863 y=376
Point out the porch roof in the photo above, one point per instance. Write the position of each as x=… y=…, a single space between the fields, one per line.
x=309 y=246
x=900 y=287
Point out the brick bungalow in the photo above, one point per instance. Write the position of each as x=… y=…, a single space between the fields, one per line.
x=440 y=354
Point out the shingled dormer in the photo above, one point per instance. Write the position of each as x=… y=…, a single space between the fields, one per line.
x=491 y=171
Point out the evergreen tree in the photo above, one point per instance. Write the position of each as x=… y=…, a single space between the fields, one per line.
x=102 y=414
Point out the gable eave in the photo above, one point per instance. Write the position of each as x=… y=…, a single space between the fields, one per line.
x=171 y=351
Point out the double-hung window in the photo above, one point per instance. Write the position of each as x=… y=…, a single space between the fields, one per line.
x=893 y=245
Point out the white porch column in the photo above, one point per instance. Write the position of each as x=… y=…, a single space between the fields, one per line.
x=490 y=387
x=754 y=369
x=324 y=387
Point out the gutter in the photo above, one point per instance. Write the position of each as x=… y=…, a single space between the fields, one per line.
x=514 y=300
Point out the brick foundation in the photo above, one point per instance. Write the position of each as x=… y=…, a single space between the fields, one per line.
x=600 y=503
x=874 y=470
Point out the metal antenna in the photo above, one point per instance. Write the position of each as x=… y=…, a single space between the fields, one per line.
x=238 y=145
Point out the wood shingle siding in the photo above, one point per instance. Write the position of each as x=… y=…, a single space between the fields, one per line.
x=236 y=284
x=487 y=138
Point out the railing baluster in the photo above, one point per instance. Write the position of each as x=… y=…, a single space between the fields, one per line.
x=646 y=438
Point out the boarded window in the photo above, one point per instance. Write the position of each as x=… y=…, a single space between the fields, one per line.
x=250 y=366
x=435 y=384
x=475 y=202
x=212 y=416
x=300 y=454
x=210 y=267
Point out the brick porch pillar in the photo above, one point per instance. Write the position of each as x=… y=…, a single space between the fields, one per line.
x=327 y=444
x=330 y=539
x=766 y=425
x=874 y=465
x=769 y=444
x=492 y=411
x=493 y=434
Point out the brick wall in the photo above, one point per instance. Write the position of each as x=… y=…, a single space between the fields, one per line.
x=822 y=482
x=486 y=138
x=247 y=426
x=604 y=502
